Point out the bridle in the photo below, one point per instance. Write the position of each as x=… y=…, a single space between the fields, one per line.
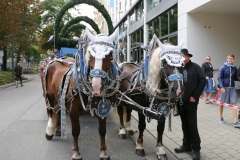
x=83 y=75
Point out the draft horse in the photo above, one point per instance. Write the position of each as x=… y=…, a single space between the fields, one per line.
x=76 y=87
x=152 y=89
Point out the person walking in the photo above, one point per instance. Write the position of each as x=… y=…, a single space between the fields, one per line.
x=18 y=74
x=194 y=82
x=211 y=85
x=227 y=76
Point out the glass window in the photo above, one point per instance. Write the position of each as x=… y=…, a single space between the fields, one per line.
x=125 y=25
x=164 y=24
x=156 y=26
x=173 y=19
x=173 y=40
x=150 y=30
x=132 y=18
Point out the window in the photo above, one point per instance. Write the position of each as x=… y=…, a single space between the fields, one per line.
x=132 y=18
x=164 y=24
x=173 y=19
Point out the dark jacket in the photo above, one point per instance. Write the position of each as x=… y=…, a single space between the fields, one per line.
x=227 y=75
x=208 y=69
x=238 y=74
x=194 y=81
x=18 y=70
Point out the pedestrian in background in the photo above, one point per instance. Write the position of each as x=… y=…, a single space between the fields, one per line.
x=227 y=76
x=211 y=85
x=18 y=74
x=194 y=82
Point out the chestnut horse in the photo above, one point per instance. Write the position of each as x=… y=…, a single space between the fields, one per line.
x=86 y=84
x=154 y=94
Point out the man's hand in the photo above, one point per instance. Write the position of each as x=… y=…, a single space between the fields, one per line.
x=207 y=77
x=222 y=90
x=192 y=99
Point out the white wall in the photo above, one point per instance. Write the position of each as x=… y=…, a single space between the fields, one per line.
x=214 y=35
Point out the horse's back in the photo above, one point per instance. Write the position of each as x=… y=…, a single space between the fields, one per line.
x=127 y=75
x=54 y=74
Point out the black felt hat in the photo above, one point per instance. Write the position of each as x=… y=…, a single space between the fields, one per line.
x=185 y=52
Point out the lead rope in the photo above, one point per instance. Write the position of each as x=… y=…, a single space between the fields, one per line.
x=170 y=116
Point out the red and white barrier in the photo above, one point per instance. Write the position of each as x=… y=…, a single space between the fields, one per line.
x=221 y=103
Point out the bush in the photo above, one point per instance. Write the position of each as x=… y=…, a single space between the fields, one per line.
x=6 y=77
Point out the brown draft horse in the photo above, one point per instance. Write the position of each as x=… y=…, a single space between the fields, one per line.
x=162 y=87
x=66 y=90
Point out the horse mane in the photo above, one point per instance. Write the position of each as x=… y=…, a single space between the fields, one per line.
x=154 y=71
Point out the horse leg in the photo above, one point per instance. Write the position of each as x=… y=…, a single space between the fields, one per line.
x=102 y=133
x=75 y=133
x=141 y=127
x=128 y=121
x=161 y=154
x=122 y=130
x=53 y=119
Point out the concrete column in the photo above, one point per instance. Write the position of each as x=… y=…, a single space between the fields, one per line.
x=128 y=40
x=145 y=26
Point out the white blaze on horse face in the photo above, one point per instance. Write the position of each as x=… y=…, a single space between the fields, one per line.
x=96 y=81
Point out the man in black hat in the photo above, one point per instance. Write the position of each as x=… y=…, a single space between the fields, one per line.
x=194 y=82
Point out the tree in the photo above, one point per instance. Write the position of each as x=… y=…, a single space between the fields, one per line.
x=19 y=19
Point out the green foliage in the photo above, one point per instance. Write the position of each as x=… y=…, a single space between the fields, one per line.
x=71 y=4
x=72 y=28
x=6 y=77
x=79 y=19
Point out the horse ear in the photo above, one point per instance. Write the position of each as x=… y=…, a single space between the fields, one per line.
x=90 y=35
x=181 y=44
x=162 y=46
x=113 y=36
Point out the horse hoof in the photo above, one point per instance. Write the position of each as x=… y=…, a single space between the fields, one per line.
x=130 y=132
x=140 y=152
x=122 y=136
x=80 y=158
x=76 y=156
x=162 y=157
x=105 y=158
x=49 y=137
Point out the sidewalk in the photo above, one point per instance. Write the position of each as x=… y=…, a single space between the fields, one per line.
x=219 y=141
x=28 y=76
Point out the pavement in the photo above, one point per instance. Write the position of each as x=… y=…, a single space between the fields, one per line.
x=218 y=141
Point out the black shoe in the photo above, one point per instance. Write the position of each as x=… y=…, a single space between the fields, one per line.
x=196 y=155
x=176 y=113
x=183 y=149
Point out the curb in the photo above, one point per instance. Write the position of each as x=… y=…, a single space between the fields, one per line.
x=12 y=84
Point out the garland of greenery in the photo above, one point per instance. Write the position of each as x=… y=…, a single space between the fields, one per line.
x=71 y=4
x=79 y=19
x=72 y=28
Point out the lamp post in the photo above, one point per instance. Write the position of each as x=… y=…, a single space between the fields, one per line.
x=12 y=55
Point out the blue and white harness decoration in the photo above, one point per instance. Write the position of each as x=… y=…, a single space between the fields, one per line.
x=104 y=107
x=98 y=73
x=164 y=109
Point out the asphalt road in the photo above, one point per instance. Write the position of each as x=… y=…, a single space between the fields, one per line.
x=23 y=120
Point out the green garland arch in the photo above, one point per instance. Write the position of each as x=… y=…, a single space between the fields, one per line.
x=72 y=3
x=72 y=28
x=79 y=19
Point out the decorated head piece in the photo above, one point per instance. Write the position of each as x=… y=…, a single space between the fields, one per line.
x=171 y=54
x=100 y=46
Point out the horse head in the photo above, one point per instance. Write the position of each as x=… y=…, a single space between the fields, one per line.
x=100 y=51
x=166 y=68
